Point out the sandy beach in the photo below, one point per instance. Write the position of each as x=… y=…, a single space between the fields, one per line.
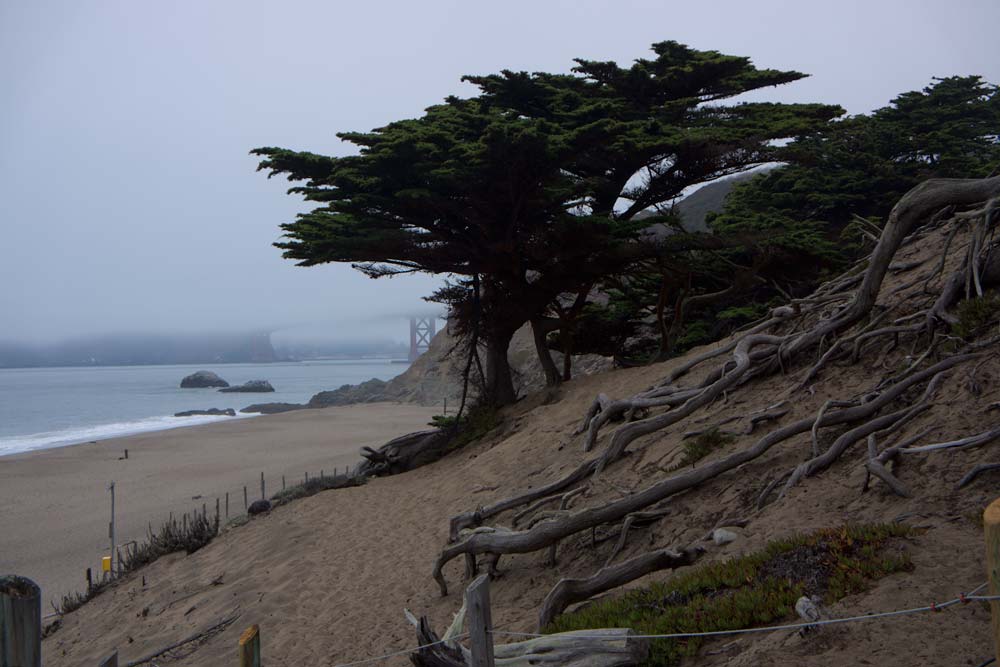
x=56 y=503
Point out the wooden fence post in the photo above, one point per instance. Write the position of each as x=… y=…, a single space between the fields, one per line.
x=991 y=524
x=477 y=606
x=250 y=647
x=111 y=528
x=20 y=622
x=245 y=503
x=111 y=660
x=282 y=482
x=263 y=496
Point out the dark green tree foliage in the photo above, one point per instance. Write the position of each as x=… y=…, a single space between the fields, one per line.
x=797 y=219
x=518 y=188
x=863 y=165
x=643 y=134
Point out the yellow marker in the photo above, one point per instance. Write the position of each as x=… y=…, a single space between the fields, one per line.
x=106 y=564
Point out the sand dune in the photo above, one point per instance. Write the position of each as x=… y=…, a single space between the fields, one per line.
x=327 y=577
x=56 y=505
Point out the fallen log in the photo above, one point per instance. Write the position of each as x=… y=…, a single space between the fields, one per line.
x=405 y=453
x=605 y=647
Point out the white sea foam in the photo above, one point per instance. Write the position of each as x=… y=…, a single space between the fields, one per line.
x=73 y=436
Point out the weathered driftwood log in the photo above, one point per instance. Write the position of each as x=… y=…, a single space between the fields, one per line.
x=605 y=647
x=434 y=654
x=405 y=453
x=570 y=591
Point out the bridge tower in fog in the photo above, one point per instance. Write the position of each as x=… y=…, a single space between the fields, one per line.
x=421 y=333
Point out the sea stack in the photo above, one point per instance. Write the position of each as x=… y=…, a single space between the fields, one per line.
x=203 y=379
x=258 y=386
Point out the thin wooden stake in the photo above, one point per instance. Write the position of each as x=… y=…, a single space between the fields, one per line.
x=991 y=524
x=263 y=496
x=249 y=647
x=307 y=477
x=282 y=482
x=480 y=624
x=111 y=527
x=20 y=622
x=246 y=505
x=216 y=510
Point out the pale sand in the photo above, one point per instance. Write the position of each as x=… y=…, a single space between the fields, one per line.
x=56 y=504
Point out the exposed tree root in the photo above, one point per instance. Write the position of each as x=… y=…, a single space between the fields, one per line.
x=839 y=321
x=637 y=519
x=876 y=468
x=970 y=476
x=545 y=533
x=569 y=591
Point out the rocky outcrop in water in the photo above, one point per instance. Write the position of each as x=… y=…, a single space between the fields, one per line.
x=203 y=379
x=211 y=412
x=253 y=386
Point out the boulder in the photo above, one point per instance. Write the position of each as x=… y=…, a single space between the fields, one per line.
x=272 y=408
x=259 y=507
x=203 y=379
x=722 y=536
x=214 y=412
x=253 y=386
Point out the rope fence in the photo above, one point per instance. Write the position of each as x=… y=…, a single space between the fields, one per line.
x=963 y=598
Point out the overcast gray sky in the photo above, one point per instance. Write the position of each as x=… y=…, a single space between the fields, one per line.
x=128 y=200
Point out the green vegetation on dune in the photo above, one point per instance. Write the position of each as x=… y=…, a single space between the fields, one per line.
x=976 y=314
x=752 y=590
x=701 y=445
x=477 y=421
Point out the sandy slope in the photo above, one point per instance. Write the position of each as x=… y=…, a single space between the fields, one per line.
x=327 y=577
x=56 y=506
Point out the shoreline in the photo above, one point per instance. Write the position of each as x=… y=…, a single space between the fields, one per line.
x=57 y=506
x=73 y=441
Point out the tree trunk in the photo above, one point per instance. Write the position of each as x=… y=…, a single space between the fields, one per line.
x=538 y=331
x=499 y=380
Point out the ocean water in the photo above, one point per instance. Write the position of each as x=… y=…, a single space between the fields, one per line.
x=52 y=407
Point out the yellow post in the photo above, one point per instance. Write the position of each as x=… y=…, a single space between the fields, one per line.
x=250 y=647
x=991 y=524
